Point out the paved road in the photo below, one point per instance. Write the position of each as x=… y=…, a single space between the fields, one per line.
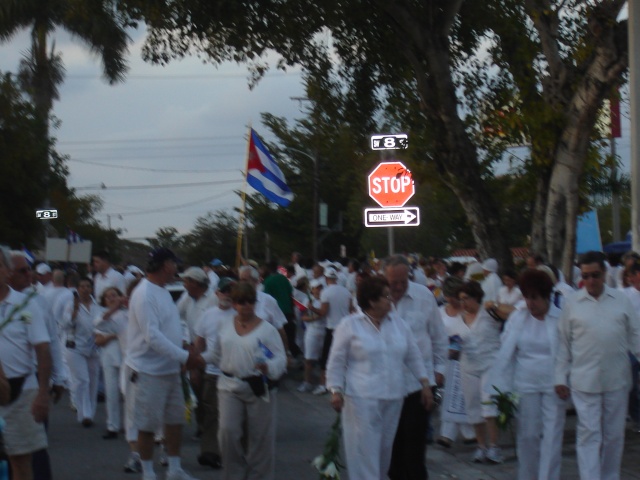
x=303 y=424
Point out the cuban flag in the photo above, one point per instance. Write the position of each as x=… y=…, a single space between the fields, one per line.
x=264 y=175
x=31 y=258
x=73 y=237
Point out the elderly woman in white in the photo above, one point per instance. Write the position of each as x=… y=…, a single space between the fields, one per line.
x=364 y=376
x=525 y=366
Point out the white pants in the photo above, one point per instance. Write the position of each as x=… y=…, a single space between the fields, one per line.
x=540 y=429
x=84 y=382
x=112 y=396
x=368 y=429
x=236 y=408
x=451 y=430
x=600 y=433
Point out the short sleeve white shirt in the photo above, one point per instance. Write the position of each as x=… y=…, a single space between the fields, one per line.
x=208 y=327
x=267 y=309
x=339 y=300
x=18 y=337
x=110 y=278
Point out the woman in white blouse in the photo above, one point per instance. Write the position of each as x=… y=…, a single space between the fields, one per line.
x=480 y=343
x=525 y=365
x=251 y=356
x=110 y=335
x=509 y=293
x=364 y=377
x=81 y=351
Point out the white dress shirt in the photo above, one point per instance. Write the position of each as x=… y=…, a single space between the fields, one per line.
x=80 y=328
x=419 y=309
x=365 y=361
x=480 y=344
x=595 y=336
x=208 y=328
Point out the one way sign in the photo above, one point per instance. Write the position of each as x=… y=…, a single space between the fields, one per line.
x=392 y=217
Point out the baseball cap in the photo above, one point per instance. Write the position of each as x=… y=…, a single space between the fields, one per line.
x=216 y=262
x=491 y=265
x=43 y=269
x=330 y=272
x=161 y=254
x=315 y=283
x=225 y=284
x=197 y=274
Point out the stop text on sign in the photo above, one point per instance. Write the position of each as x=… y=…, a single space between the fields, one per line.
x=391 y=184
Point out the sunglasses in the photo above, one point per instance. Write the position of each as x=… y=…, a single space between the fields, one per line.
x=588 y=275
x=244 y=302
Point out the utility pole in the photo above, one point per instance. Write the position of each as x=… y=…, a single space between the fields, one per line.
x=634 y=87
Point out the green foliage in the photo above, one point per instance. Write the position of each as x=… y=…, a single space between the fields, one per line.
x=213 y=236
x=23 y=154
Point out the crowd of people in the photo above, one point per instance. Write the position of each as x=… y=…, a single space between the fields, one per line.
x=380 y=339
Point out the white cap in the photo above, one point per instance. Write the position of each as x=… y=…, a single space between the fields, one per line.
x=197 y=274
x=490 y=265
x=134 y=269
x=315 y=283
x=43 y=269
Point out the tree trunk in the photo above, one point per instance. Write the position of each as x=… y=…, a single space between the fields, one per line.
x=538 y=237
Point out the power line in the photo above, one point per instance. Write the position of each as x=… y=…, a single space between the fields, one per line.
x=174 y=207
x=185 y=77
x=144 y=187
x=162 y=170
x=156 y=139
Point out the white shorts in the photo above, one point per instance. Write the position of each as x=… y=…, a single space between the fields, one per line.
x=157 y=401
x=313 y=341
x=476 y=401
x=22 y=435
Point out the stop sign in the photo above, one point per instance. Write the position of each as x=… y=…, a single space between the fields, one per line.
x=391 y=184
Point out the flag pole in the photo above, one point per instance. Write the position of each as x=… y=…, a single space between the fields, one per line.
x=241 y=220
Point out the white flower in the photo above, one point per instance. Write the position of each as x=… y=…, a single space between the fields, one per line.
x=331 y=471
x=318 y=462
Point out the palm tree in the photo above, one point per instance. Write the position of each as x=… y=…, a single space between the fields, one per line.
x=96 y=23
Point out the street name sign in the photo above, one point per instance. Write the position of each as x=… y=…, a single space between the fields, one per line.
x=392 y=217
x=391 y=184
x=46 y=214
x=388 y=141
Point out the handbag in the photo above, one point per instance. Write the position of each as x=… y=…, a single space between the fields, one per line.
x=257 y=384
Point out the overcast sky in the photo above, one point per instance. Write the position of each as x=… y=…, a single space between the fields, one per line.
x=185 y=123
x=181 y=124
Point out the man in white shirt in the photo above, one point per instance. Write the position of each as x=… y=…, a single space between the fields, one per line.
x=206 y=332
x=597 y=328
x=491 y=283
x=417 y=306
x=196 y=299
x=153 y=363
x=23 y=339
x=335 y=304
x=106 y=275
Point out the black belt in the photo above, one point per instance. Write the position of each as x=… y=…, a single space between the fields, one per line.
x=271 y=384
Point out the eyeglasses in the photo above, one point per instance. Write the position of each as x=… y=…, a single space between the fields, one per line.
x=588 y=275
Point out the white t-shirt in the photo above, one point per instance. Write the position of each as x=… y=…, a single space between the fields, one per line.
x=18 y=337
x=267 y=309
x=490 y=286
x=192 y=310
x=110 y=278
x=154 y=335
x=339 y=300
x=208 y=327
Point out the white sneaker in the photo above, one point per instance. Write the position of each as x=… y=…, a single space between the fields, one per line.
x=304 y=387
x=180 y=475
x=480 y=455
x=319 y=390
x=494 y=455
